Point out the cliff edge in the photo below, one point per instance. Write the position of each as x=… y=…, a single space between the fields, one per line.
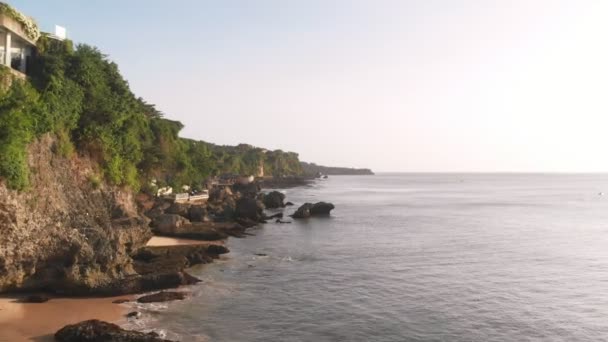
x=68 y=233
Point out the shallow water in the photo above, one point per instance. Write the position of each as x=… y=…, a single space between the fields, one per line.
x=415 y=257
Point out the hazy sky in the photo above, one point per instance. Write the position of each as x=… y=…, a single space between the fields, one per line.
x=512 y=85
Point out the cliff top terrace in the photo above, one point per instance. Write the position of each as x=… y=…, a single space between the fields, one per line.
x=18 y=35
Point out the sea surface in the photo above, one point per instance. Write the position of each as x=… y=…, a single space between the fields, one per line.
x=413 y=257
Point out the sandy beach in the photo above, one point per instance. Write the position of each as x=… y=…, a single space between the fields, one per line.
x=39 y=321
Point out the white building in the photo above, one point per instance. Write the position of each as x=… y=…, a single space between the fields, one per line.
x=16 y=47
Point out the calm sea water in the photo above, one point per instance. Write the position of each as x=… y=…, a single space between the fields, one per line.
x=414 y=257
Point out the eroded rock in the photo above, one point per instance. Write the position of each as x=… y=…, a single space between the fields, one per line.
x=99 y=331
x=163 y=296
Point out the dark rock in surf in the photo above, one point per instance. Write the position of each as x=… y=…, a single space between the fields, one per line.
x=278 y=215
x=308 y=210
x=163 y=296
x=99 y=331
x=321 y=209
x=120 y=301
x=274 y=199
x=303 y=211
x=249 y=208
x=134 y=314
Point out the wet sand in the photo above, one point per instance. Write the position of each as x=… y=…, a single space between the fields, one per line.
x=39 y=321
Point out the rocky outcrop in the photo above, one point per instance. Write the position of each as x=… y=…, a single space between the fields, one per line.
x=163 y=296
x=303 y=211
x=273 y=200
x=177 y=226
x=249 y=209
x=99 y=331
x=168 y=223
x=321 y=209
x=198 y=213
x=66 y=233
x=309 y=210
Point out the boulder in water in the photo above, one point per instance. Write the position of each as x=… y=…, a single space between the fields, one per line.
x=274 y=200
x=321 y=209
x=308 y=210
x=99 y=331
x=249 y=209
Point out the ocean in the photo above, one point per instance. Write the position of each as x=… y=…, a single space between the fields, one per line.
x=413 y=257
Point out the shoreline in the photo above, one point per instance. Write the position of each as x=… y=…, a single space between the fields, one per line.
x=39 y=321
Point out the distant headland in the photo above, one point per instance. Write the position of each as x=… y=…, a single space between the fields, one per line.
x=313 y=169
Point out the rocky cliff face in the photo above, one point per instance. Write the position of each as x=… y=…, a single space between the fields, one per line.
x=66 y=234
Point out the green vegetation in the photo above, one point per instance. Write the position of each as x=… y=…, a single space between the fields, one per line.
x=79 y=96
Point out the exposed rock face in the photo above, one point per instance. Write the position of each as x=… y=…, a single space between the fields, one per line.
x=249 y=209
x=99 y=331
x=167 y=224
x=274 y=200
x=177 y=226
x=248 y=190
x=308 y=209
x=197 y=213
x=180 y=209
x=63 y=234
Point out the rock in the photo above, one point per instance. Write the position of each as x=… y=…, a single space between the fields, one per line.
x=261 y=254
x=321 y=209
x=163 y=296
x=274 y=200
x=249 y=208
x=36 y=298
x=168 y=223
x=308 y=209
x=288 y=204
x=220 y=194
x=281 y=221
x=278 y=215
x=134 y=314
x=99 y=331
x=247 y=190
x=180 y=209
x=69 y=240
x=120 y=301
x=197 y=213
x=303 y=211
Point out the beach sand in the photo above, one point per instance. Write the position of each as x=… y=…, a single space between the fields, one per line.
x=39 y=321
x=169 y=241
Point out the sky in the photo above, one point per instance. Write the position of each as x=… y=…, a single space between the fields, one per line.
x=416 y=86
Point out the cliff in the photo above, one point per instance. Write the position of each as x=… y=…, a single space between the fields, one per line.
x=66 y=233
x=314 y=169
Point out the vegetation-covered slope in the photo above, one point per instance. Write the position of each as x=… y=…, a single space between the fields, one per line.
x=80 y=96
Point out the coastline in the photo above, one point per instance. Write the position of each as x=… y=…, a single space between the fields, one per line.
x=39 y=321
x=21 y=321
